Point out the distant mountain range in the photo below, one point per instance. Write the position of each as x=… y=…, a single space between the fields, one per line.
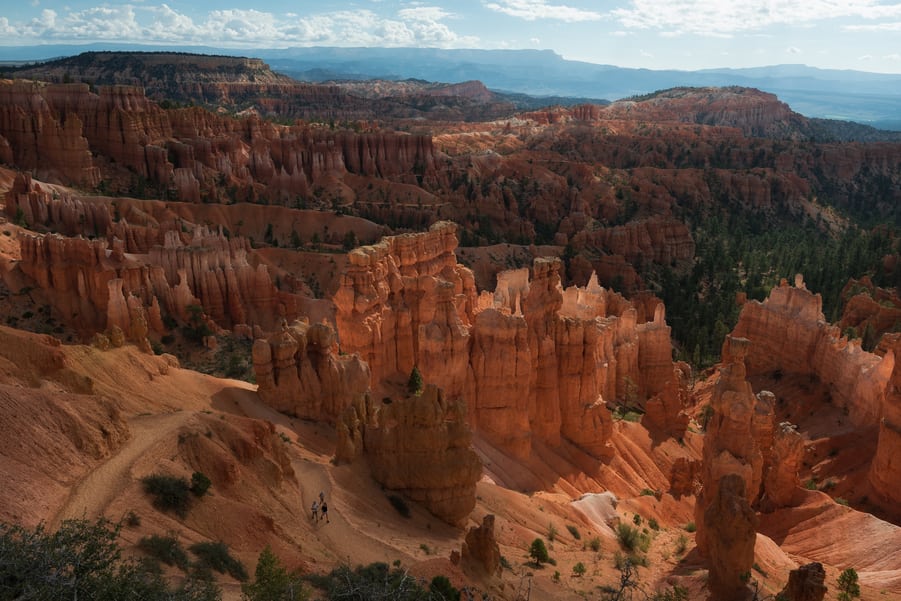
x=870 y=98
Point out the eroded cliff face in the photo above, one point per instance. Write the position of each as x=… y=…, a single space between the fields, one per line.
x=788 y=333
x=885 y=471
x=531 y=360
x=418 y=445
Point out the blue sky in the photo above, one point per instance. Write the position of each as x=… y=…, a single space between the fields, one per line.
x=656 y=34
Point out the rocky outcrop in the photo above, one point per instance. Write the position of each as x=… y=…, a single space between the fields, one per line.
x=805 y=583
x=781 y=482
x=731 y=527
x=531 y=360
x=480 y=554
x=418 y=446
x=95 y=285
x=788 y=333
x=300 y=372
x=684 y=477
x=885 y=470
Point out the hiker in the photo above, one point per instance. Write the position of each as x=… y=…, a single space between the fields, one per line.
x=315 y=510
x=321 y=497
x=324 y=509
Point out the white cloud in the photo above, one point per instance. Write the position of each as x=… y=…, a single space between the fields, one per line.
x=793 y=50
x=892 y=57
x=137 y=22
x=889 y=26
x=727 y=17
x=533 y=10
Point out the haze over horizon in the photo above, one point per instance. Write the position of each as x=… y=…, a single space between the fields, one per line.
x=863 y=35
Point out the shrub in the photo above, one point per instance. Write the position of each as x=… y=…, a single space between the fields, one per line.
x=538 y=551
x=848 y=586
x=681 y=544
x=167 y=549
x=841 y=501
x=551 y=532
x=399 y=505
x=647 y=492
x=133 y=520
x=556 y=575
x=374 y=581
x=579 y=569
x=215 y=556
x=82 y=560
x=574 y=532
x=200 y=484
x=690 y=527
x=272 y=581
x=653 y=525
x=627 y=536
x=636 y=519
x=595 y=543
x=441 y=589
x=425 y=548
x=677 y=593
x=811 y=484
x=169 y=493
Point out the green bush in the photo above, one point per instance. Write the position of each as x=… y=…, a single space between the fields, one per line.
x=169 y=493
x=627 y=536
x=551 y=532
x=415 y=383
x=82 y=560
x=690 y=527
x=579 y=569
x=200 y=484
x=374 y=581
x=167 y=549
x=595 y=543
x=215 y=556
x=848 y=586
x=538 y=551
x=442 y=590
x=574 y=532
x=653 y=525
x=272 y=582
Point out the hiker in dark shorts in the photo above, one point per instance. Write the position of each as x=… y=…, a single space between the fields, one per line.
x=324 y=509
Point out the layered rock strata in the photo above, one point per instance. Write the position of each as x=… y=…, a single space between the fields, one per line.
x=885 y=470
x=417 y=445
x=807 y=344
x=731 y=526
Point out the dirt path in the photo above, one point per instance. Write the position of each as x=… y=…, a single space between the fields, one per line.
x=96 y=491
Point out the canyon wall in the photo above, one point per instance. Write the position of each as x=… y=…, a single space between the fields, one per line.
x=788 y=333
x=531 y=361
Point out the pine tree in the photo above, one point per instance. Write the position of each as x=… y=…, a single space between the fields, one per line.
x=415 y=384
x=847 y=584
x=538 y=551
x=272 y=582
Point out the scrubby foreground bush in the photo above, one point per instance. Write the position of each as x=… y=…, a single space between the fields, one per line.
x=82 y=560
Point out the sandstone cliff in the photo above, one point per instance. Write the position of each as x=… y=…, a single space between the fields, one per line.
x=418 y=445
x=806 y=344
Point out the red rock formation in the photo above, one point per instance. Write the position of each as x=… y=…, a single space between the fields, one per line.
x=42 y=139
x=781 y=482
x=787 y=332
x=684 y=477
x=805 y=583
x=419 y=446
x=885 y=469
x=733 y=444
x=299 y=372
x=731 y=527
x=480 y=554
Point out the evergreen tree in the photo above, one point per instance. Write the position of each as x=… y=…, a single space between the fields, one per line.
x=272 y=582
x=415 y=384
x=847 y=585
x=538 y=551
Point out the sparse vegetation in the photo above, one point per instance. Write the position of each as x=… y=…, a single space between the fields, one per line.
x=690 y=527
x=82 y=560
x=551 y=532
x=653 y=525
x=272 y=582
x=166 y=549
x=579 y=569
x=574 y=532
x=170 y=493
x=215 y=556
x=595 y=543
x=200 y=483
x=538 y=552
x=848 y=587
x=681 y=544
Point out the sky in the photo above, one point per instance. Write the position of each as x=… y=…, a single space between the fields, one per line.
x=656 y=34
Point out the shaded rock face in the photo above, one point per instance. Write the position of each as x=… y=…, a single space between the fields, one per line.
x=417 y=445
x=805 y=584
x=742 y=442
x=731 y=525
x=300 y=372
x=885 y=471
x=531 y=360
x=481 y=555
x=788 y=332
